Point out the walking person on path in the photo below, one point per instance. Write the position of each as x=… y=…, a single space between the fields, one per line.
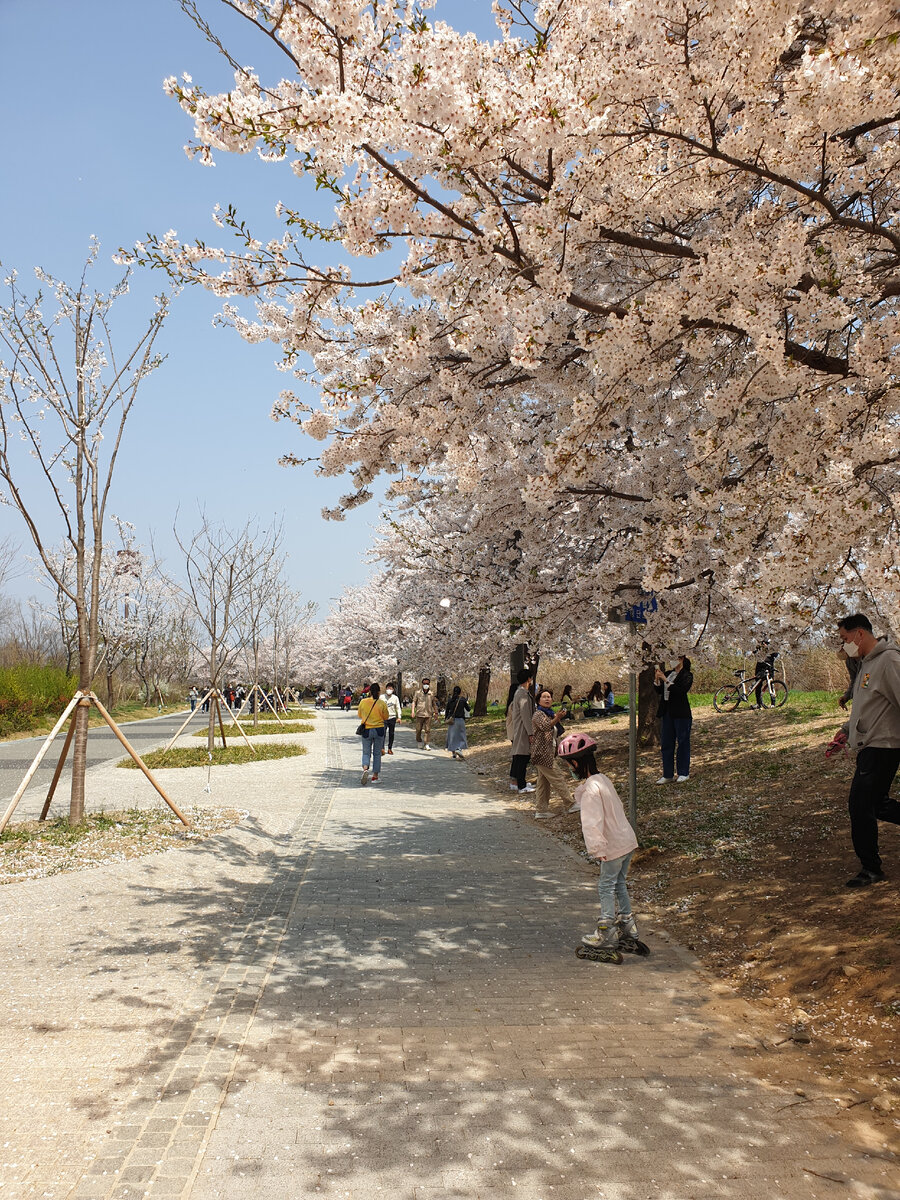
x=424 y=710
x=675 y=720
x=373 y=715
x=550 y=778
x=608 y=836
x=519 y=730
x=392 y=702
x=455 y=714
x=874 y=734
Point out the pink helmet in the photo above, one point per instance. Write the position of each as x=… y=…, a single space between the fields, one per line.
x=574 y=744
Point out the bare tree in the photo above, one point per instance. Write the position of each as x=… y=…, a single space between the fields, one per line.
x=220 y=567
x=88 y=403
x=262 y=582
x=288 y=615
x=163 y=642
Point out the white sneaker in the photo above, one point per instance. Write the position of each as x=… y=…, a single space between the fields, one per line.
x=513 y=787
x=682 y=778
x=666 y=779
x=529 y=787
x=427 y=747
x=365 y=776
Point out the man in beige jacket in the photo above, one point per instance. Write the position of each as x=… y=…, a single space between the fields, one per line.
x=424 y=710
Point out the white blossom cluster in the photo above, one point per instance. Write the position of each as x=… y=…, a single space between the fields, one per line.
x=647 y=296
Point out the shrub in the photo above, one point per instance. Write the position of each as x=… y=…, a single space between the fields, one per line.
x=29 y=693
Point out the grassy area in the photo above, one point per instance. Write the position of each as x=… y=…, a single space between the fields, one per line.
x=61 y=832
x=36 y=849
x=196 y=756
x=272 y=729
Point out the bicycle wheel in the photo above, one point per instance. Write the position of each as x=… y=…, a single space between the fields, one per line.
x=727 y=698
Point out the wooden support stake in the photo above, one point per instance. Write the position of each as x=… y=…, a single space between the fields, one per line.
x=59 y=766
x=137 y=759
x=184 y=724
x=37 y=761
x=268 y=701
x=221 y=725
x=240 y=728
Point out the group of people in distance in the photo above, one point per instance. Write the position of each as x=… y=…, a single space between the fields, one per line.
x=533 y=727
x=378 y=717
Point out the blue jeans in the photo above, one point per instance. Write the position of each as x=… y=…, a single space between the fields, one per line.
x=612 y=889
x=372 y=745
x=672 y=730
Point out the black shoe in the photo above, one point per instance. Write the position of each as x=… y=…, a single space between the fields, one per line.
x=864 y=878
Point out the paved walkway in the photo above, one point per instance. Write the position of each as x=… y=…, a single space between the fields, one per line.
x=373 y=992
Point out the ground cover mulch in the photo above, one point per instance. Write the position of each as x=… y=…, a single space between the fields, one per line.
x=37 y=849
x=745 y=865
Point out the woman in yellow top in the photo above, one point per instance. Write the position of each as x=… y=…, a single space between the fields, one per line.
x=373 y=714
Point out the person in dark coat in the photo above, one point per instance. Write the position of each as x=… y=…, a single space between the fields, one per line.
x=675 y=720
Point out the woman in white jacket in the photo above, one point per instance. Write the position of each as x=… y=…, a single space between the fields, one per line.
x=608 y=837
x=392 y=700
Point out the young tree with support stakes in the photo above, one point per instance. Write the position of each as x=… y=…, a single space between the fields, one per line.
x=65 y=398
x=260 y=587
x=222 y=567
x=288 y=617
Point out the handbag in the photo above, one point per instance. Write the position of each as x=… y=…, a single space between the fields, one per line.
x=361 y=730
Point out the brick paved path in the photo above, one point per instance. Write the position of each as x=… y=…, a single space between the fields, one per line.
x=365 y=993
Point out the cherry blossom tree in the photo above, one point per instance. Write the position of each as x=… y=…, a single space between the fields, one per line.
x=660 y=242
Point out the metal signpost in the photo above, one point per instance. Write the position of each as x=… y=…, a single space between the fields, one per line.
x=633 y=615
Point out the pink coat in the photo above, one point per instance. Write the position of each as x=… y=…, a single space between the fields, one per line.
x=607 y=833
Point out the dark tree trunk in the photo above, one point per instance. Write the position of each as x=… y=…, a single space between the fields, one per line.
x=520 y=658
x=481 y=694
x=648 y=702
x=441 y=695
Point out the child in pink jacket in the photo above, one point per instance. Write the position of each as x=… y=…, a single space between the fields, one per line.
x=610 y=838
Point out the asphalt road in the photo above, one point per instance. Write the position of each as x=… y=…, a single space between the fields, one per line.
x=17 y=756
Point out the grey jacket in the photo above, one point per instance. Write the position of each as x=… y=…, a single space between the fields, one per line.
x=518 y=721
x=875 y=715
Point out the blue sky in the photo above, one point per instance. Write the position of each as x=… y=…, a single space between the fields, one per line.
x=91 y=145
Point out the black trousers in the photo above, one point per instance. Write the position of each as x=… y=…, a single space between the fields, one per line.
x=390 y=725
x=869 y=801
x=517 y=768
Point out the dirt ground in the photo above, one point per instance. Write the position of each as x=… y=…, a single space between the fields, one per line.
x=745 y=865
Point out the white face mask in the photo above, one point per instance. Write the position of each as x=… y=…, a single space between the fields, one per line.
x=390 y=692
x=851 y=649
x=425 y=687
